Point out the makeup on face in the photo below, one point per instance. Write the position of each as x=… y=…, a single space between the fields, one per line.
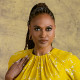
x=42 y=30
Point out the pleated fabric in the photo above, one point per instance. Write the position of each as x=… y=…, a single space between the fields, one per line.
x=56 y=65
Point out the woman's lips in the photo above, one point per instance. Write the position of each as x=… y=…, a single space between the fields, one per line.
x=43 y=41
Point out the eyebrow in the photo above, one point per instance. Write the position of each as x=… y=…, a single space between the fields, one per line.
x=36 y=26
x=39 y=26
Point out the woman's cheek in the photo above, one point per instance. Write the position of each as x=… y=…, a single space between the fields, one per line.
x=51 y=36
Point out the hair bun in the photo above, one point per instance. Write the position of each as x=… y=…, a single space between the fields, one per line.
x=41 y=5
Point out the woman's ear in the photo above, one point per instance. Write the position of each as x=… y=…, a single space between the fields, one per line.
x=55 y=26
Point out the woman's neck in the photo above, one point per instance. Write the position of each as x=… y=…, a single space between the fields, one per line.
x=42 y=51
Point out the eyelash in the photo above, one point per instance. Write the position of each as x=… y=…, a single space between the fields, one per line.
x=36 y=29
x=47 y=29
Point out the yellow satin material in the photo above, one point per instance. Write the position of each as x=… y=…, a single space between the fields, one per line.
x=56 y=65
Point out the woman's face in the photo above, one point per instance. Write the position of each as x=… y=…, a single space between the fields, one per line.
x=42 y=30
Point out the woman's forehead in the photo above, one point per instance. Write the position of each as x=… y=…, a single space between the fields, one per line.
x=42 y=19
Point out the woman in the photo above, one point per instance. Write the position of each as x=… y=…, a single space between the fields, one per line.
x=41 y=61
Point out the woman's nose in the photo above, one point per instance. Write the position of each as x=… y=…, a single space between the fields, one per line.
x=43 y=34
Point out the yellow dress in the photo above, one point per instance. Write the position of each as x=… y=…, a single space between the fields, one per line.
x=56 y=65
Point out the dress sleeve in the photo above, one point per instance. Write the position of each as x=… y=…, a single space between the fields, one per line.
x=13 y=59
x=16 y=56
x=74 y=63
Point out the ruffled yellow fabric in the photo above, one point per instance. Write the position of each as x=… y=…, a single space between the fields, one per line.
x=56 y=65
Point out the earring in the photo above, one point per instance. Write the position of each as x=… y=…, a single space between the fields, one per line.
x=30 y=37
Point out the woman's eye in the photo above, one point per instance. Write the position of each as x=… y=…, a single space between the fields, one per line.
x=36 y=29
x=49 y=29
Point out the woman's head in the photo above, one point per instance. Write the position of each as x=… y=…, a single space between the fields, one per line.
x=43 y=19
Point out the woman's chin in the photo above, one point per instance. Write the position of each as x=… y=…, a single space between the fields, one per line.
x=43 y=45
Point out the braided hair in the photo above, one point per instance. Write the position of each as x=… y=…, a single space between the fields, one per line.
x=37 y=9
